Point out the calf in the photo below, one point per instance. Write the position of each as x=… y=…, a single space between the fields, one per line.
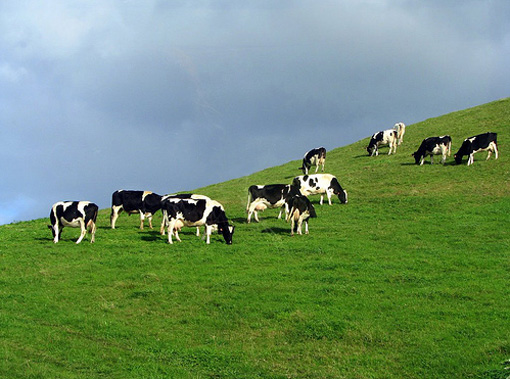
x=75 y=214
x=300 y=210
x=191 y=212
x=315 y=157
x=320 y=184
x=145 y=203
x=385 y=137
x=470 y=146
x=267 y=196
x=400 y=128
x=433 y=146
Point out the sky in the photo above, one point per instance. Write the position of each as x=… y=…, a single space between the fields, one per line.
x=168 y=96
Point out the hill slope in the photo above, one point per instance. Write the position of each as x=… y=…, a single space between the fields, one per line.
x=410 y=279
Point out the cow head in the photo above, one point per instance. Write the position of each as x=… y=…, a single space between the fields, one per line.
x=416 y=156
x=56 y=237
x=227 y=231
x=342 y=196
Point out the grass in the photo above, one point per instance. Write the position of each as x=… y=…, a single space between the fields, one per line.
x=408 y=280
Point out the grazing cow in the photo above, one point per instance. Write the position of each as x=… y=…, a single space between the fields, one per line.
x=400 y=128
x=191 y=212
x=75 y=214
x=268 y=196
x=300 y=210
x=145 y=203
x=385 y=137
x=433 y=146
x=486 y=141
x=177 y=197
x=315 y=157
x=320 y=184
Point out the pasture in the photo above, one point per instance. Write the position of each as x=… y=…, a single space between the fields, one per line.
x=410 y=279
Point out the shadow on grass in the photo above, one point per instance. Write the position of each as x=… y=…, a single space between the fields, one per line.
x=277 y=230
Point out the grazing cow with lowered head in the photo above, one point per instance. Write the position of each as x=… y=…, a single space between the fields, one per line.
x=177 y=197
x=145 y=203
x=300 y=210
x=400 y=128
x=481 y=142
x=315 y=157
x=385 y=137
x=75 y=214
x=433 y=146
x=320 y=184
x=268 y=196
x=191 y=212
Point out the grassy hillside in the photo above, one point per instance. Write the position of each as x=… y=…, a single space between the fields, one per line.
x=410 y=279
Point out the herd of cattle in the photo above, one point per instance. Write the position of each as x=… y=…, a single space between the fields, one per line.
x=194 y=210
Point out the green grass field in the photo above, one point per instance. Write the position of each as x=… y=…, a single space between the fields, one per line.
x=410 y=279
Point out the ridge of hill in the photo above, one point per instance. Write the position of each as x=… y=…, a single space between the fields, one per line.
x=409 y=279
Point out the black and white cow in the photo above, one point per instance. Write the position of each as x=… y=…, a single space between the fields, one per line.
x=191 y=212
x=385 y=137
x=177 y=197
x=267 y=196
x=400 y=128
x=300 y=210
x=433 y=146
x=315 y=157
x=320 y=184
x=145 y=203
x=75 y=214
x=486 y=141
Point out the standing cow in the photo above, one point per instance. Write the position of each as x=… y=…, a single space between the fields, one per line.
x=400 y=128
x=174 y=198
x=385 y=137
x=481 y=142
x=433 y=146
x=320 y=184
x=267 y=196
x=75 y=214
x=315 y=157
x=300 y=210
x=145 y=203
x=191 y=212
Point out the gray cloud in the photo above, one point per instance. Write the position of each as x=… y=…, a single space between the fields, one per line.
x=98 y=96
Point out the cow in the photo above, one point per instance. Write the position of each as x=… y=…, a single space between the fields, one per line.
x=196 y=212
x=470 y=146
x=177 y=197
x=266 y=196
x=320 y=184
x=315 y=157
x=385 y=137
x=433 y=146
x=145 y=203
x=75 y=214
x=300 y=210
x=400 y=128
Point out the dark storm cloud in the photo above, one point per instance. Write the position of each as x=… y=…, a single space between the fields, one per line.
x=170 y=96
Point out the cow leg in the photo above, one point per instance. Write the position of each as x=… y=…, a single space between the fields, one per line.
x=328 y=194
x=115 y=215
x=142 y=218
x=470 y=159
x=431 y=158
x=150 y=221
x=198 y=231
x=92 y=226
x=170 y=231
x=57 y=232
x=292 y=224
x=208 y=230
x=299 y=224
x=306 y=227
x=322 y=199
x=495 y=151
x=422 y=160
x=163 y=222
x=83 y=231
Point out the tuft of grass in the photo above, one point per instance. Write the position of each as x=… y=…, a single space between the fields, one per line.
x=409 y=279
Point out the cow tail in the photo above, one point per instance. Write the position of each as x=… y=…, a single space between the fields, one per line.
x=249 y=201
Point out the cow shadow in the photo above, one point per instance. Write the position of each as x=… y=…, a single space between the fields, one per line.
x=239 y=220
x=276 y=230
x=152 y=235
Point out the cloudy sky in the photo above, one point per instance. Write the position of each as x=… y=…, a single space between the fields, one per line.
x=170 y=95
